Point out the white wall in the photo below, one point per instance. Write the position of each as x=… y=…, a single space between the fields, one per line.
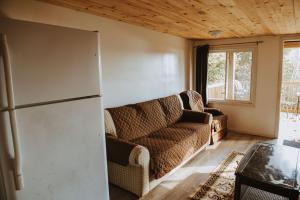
x=138 y=64
x=259 y=119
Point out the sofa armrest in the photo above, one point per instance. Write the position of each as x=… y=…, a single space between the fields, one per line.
x=194 y=116
x=139 y=156
x=213 y=111
x=124 y=152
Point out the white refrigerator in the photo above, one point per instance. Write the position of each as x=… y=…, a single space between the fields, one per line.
x=52 y=143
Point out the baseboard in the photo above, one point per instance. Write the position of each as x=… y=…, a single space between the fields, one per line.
x=250 y=133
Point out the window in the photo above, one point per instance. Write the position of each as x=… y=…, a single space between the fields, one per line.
x=231 y=74
x=216 y=75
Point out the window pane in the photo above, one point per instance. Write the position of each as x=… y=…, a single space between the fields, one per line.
x=242 y=63
x=216 y=75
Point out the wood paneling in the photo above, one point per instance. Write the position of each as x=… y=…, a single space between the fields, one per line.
x=194 y=18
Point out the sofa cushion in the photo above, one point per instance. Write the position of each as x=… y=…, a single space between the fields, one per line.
x=172 y=108
x=172 y=145
x=180 y=101
x=201 y=129
x=192 y=100
x=138 y=120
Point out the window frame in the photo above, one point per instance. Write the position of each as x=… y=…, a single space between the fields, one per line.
x=229 y=50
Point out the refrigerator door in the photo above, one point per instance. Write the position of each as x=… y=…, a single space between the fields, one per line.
x=51 y=62
x=6 y=159
x=6 y=178
x=3 y=94
x=63 y=151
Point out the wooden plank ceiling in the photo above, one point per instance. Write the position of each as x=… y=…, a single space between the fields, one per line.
x=193 y=19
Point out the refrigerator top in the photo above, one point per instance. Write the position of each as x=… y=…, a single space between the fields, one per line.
x=50 y=63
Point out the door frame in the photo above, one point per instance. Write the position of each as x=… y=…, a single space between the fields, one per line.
x=282 y=39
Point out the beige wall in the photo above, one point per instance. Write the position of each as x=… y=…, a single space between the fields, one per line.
x=259 y=119
x=138 y=64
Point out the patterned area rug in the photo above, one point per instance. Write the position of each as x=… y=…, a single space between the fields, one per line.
x=220 y=184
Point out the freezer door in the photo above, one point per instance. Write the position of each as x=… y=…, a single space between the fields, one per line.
x=51 y=62
x=63 y=151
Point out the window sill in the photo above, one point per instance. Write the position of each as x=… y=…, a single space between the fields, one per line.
x=232 y=102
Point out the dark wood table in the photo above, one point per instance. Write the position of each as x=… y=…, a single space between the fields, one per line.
x=268 y=171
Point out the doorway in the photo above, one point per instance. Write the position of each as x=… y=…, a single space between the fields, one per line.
x=289 y=121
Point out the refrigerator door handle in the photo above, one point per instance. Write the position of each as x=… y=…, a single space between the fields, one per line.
x=18 y=174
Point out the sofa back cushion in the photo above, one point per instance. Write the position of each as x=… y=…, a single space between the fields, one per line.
x=172 y=108
x=138 y=120
x=192 y=100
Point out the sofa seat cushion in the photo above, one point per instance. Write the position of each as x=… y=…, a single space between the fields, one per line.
x=170 y=146
x=202 y=130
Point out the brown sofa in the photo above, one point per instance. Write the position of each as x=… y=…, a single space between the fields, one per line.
x=147 y=141
x=192 y=100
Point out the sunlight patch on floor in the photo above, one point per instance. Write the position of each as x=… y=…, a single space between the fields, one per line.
x=185 y=172
x=170 y=184
x=200 y=169
x=289 y=127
